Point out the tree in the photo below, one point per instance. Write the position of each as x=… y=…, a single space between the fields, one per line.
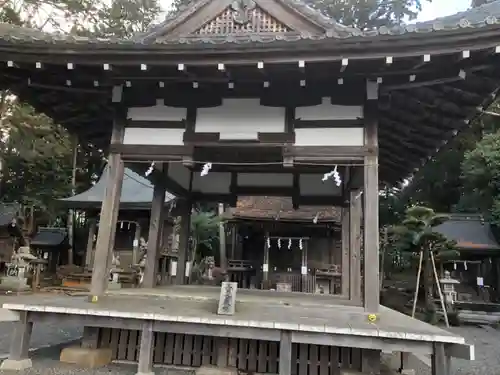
x=364 y=14
x=416 y=235
x=481 y=176
x=204 y=233
x=35 y=153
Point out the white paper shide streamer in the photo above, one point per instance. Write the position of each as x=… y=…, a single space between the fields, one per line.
x=336 y=176
x=150 y=169
x=206 y=169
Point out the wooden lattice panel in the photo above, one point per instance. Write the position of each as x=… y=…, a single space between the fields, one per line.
x=259 y=22
x=248 y=356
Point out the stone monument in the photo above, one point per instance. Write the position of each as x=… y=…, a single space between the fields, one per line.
x=227 y=299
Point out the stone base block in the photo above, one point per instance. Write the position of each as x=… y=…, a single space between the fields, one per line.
x=16 y=365
x=14 y=284
x=86 y=357
x=213 y=370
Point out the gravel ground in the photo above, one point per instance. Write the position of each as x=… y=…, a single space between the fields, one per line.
x=46 y=362
x=43 y=335
x=487 y=343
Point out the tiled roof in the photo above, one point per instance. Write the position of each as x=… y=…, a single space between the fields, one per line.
x=483 y=16
x=280 y=209
x=469 y=232
x=137 y=192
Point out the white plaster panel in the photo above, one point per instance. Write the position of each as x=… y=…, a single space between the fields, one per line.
x=328 y=111
x=312 y=184
x=265 y=179
x=240 y=119
x=180 y=174
x=153 y=136
x=329 y=137
x=158 y=112
x=212 y=183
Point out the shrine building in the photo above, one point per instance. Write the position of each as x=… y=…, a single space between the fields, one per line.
x=226 y=99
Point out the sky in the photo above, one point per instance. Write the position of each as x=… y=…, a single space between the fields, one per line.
x=435 y=9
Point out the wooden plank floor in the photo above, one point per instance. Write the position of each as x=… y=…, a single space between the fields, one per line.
x=306 y=313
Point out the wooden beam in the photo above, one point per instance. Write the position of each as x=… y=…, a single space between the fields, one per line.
x=355 y=201
x=184 y=234
x=92 y=226
x=325 y=153
x=150 y=152
x=285 y=362
x=154 y=237
x=146 y=349
x=371 y=298
x=20 y=339
x=109 y=215
x=345 y=252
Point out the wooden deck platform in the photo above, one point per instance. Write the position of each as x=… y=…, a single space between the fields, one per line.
x=261 y=316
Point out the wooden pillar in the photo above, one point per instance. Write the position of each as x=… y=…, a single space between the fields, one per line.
x=90 y=243
x=345 y=252
x=109 y=216
x=154 y=236
x=355 y=200
x=285 y=363
x=370 y=361
x=145 y=366
x=234 y=238
x=371 y=200
x=222 y=240
x=265 y=261
x=136 y=247
x=303 y=267
x=90 y=337
x=185 y=231
x=20 y=342
x=439 y=362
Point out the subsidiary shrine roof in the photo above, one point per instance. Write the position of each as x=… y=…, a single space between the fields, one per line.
x=433 y=77
x=137 y=193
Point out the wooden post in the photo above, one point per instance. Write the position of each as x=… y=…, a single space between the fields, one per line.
x=145 y=366
x=222 y=240
x=71 y=212
x=439 y=361
x=19 y=347
x=303 y=268
x=371 y=200
x=345 y=252
x=355 y=245
x=109 y=216
x=265 y=262
x=90 y=243
x=90 y=337
x=185 y=231
x=234 y=237
x=154 y=237
x=370 y=361
x=136 y=247
x=285 y=364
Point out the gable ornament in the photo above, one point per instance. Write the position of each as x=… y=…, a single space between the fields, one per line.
x=242 y=9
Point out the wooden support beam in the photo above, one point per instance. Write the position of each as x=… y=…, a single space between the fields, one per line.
x=136 y=243
x=183 y=243
x=345 y=252
x=90 y=337
x=285 y=362
x=154 y=237
x=145 y=366
x=439 y=360
x=355 y=246
x=20 y=340
x=90 y=242
x=370 y=361
x=108 y=217
x=371 y=212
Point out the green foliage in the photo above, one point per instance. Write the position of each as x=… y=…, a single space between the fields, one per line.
x=481 y=176
x=204 y=231
x=36 y=154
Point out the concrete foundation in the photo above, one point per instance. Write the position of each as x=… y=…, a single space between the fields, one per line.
x=86 y=357
x=16 y=365
x=213 y=370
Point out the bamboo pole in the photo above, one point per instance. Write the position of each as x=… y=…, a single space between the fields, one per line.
x=441 y=299
x=418 y=284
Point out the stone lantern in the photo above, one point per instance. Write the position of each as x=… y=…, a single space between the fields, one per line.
x=448 y=286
